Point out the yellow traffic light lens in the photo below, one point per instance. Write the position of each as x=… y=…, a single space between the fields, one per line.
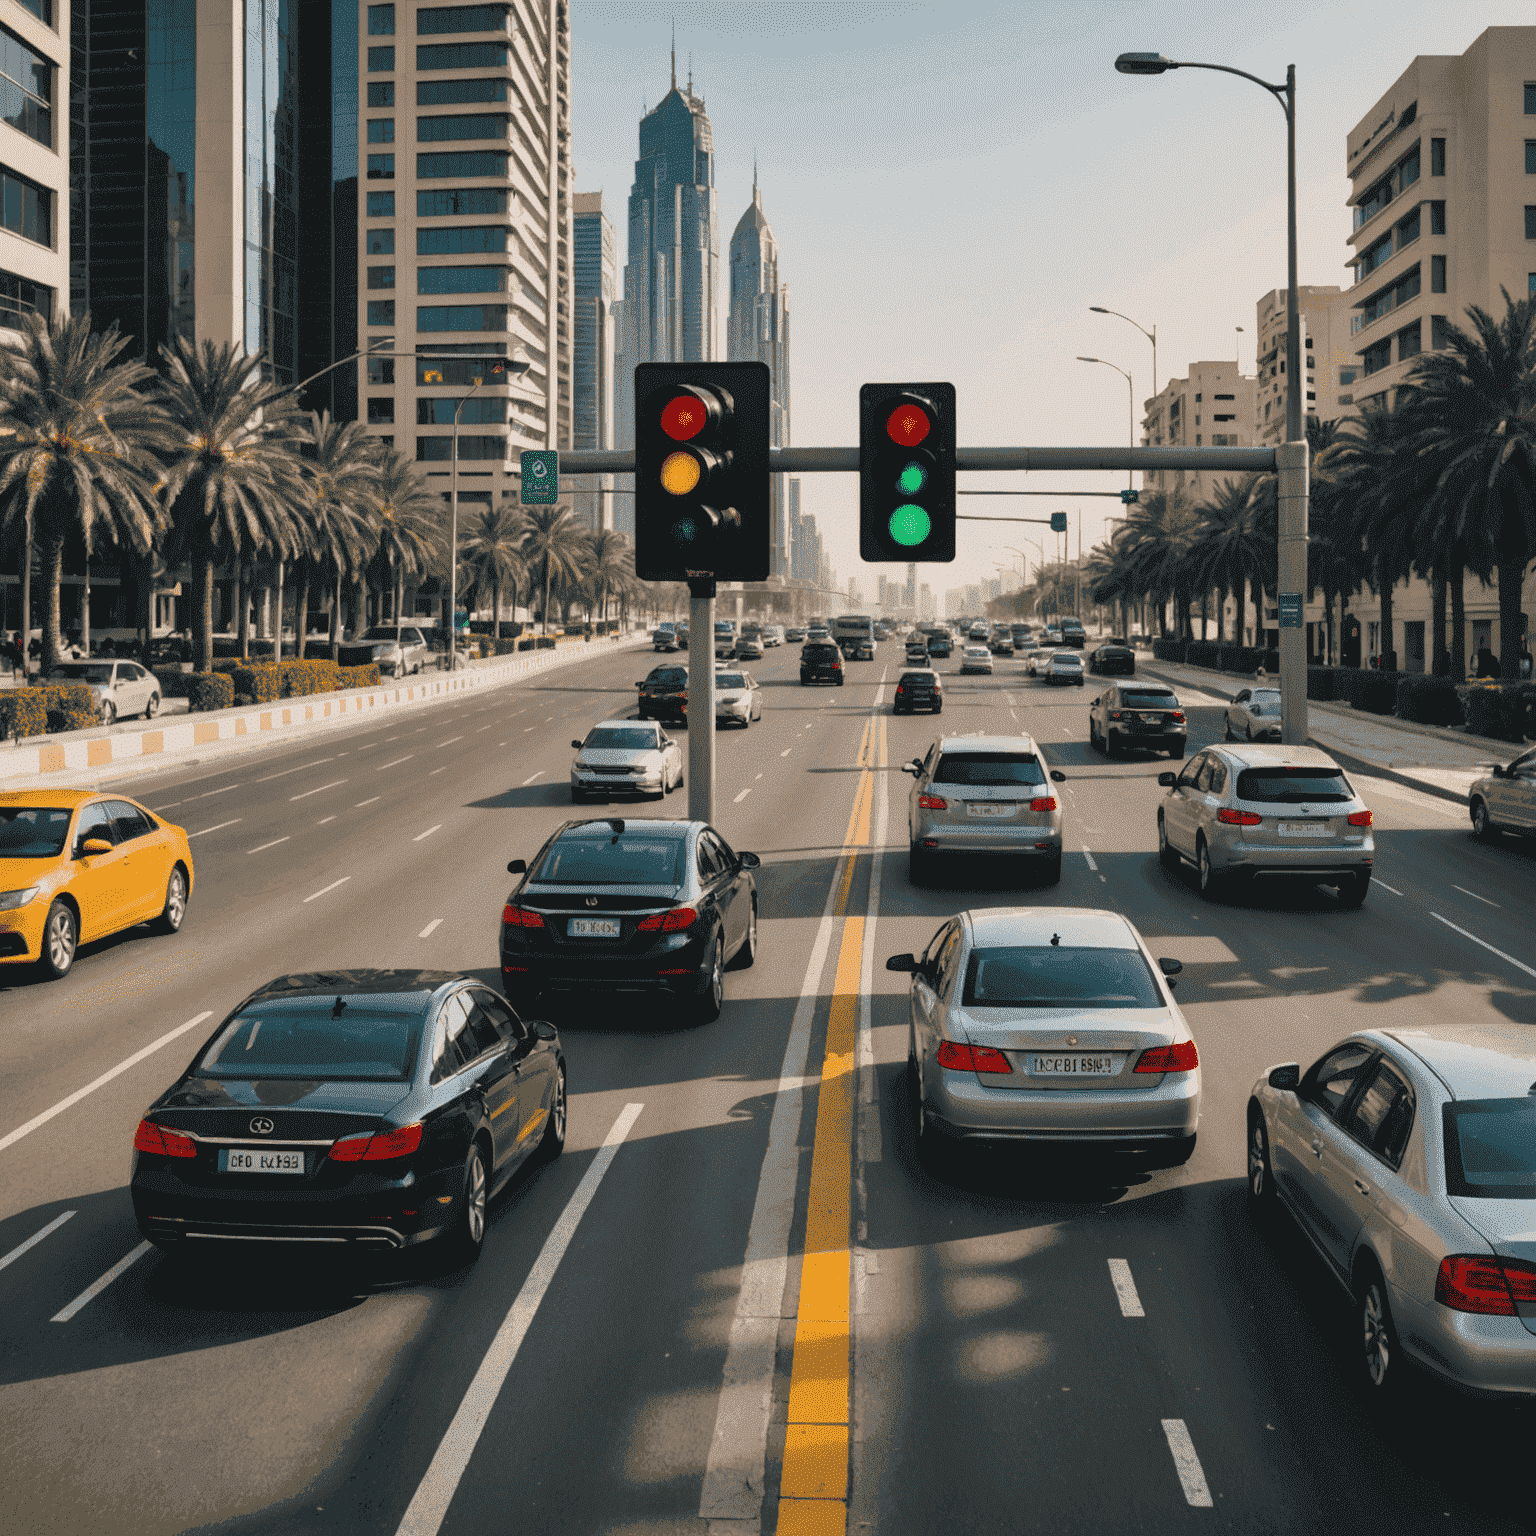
x=680 y=473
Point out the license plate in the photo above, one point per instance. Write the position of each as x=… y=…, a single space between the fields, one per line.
x=991 y=810
x=1072 y=1066
x=594 y=928
x=257 y=1160
x=1305 y=829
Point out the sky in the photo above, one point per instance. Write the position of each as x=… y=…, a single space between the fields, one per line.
x=952 y=185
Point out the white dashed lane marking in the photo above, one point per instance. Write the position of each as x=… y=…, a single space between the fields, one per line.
x=325 y=890
x=361 y=803
x=264 y=846
x=92 y=1291
x=1187 y=1464
x=35 y=1239
x=219 y=828
x=428 y=833
x=430 y=929
x=308 y=792
x=1475 y=897
x=1125 y=1288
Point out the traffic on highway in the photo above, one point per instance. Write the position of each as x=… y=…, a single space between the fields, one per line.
x=984 y=1124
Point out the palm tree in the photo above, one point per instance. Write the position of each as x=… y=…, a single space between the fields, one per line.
x=612 y=564
x=342 y=464
x=1155 y=545
x=234 y=481
x=78 y=456
x=555 y=548
x=493 y=553
x=408 y=524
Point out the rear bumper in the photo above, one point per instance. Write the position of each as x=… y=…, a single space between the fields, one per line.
x=1027 y=843
x=1265 y=859
x=1482 y=1356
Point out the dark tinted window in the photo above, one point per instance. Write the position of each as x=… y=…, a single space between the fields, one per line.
x=668 y=675
x=1333 y=1079
x=1383 y=1116
x=452 y=1046
x=633 y=737
x=988 y=768
x=32 y=832
x=128 y=821
x=602 y=857
x=482 y=1026
x=819 y=653
x=730 y=680
x=1293 y=786
x=1490 y=1148
x=83 y=671
x=710 y=866
x=311 y=1037
x=1143 y=698
x=919 y=677
x=1218 y=776
x=1049 y=976
x=95 y=821
x=500 y=1013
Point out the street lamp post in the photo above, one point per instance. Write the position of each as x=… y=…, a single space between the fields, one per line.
x=1098 y=309
x=453 y=533
x=1131 y=403
x=1290 y=456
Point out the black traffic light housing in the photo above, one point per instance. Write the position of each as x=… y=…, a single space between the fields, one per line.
x=907 y=473
x=701 y=471
x=1130 y=497
x=1058 y=522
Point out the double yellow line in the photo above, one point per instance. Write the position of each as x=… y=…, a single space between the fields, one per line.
x=813 y=1490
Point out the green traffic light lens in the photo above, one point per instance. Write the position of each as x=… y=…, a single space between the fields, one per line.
x=912 y=479
x=910 y=525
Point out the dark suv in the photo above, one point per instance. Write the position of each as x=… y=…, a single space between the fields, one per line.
x=664 y=694
x=1073 y=634
x=821 y=662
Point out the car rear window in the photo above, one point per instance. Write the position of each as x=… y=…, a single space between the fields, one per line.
x=316 y=1038
x=33 y=831
x=631 y=737
x=1143 y=699
x=668 y=675
x=612 y=858
x=918 y=677
x=819 y=653
x=85 y=672
x=1293 y=786
x=1053 y=976
x=1490 y=1148
x=988 y=768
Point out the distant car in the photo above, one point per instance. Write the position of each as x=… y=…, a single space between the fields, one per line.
x=1032 y=654
x=725 y=640
x=1408 y=1157
x=118 y=688
x=665 y=637
x=396 y=650
x=939 y=644
x=918 y=688
x=1073 y=633
x=795 y=635
x=1051 y=635
x=1505 y=801
x=1049 y=1027
x=917 y=653
x=664 y=694
x=1000 y=643
x=1253 y=715
x=976 y=658
x=625 y=757
x=979 y=632
x=773 y=634
x=818 y=632
x=748 y=648
x=1064 y=667
x=1142 y=715
x=1260 y=812
x=738 y=699
x=821 y=662
x=1113 y=658
x=1020 y=633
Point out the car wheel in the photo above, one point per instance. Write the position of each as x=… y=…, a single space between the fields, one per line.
x=710 y=995
x=1382 y=1356
x=1482 y=823
x=175 y=908
x=938 y=709
x=1178 y=750
x=743 y=958
x=552 y=1142
x=399 y=670
x=61 y=936
x=1112 y=745
x=1210 y=879
x=108 y=712
x=919 y=866
x=1261 y=1175
x=1248 y=730
x=1226 y=730
x=1052 y=871
x=468 y=1233
x=1353 y=888
x=839 y=682
x=926 y=1142
x=577 y=795
x=1166 y=855
x=152 y=708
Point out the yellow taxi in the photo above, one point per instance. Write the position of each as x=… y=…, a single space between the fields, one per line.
x=79 y=864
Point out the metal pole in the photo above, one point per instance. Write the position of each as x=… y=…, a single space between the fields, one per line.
x=1291 y=464
x=453 y=538
x=701 y=701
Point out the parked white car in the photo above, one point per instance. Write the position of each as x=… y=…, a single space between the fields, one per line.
x=120 y=688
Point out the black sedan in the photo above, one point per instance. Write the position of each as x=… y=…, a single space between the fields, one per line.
x=919 y=688
x=1113 y=659
x=351 y=1107
x=646 y=907
x=664 y=694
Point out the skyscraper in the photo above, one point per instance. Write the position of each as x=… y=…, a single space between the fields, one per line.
x=592 y=361
x=757 y=330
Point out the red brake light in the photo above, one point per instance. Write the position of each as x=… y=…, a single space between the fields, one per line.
x=1359 y=818
x=520 y=917
x=932 y=803
x=971 y=1058
x=1043 y=803
x=900 y=688
x=377 y=1146
x=668 y=922
x=163 y=1141
x=1238 y=818
x=1176 y=714
x=1182 y=1057
x=1470 y=1282
x=1117 y=714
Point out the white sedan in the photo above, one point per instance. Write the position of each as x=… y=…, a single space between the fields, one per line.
x=738 y=699
x=976 y=658
x=1254 y=715
x=118 y=688
x=626 y=757
x=1065 y=667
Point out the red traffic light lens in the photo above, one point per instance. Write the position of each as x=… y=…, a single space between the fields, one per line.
x=683 y=417
x=908 y=424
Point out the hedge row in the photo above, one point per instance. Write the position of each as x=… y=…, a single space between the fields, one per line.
x=22 y=712
x=1220 y=655
x=1500 y=711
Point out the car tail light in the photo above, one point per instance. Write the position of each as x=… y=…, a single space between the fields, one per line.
x=971 y=1058
x=1470 y=1282
x=520 y=917
x=1117 y=714
x=377 y=1146
x=1359 y=818
x=1181 y=1057
x=900 y=688
x=162 y=1140
x=932 y=803
x=1043 y=803
x=1177 y=716
x=668 y=922
x=1238 y=818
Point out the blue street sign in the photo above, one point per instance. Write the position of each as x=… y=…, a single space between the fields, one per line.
x=1290 y=610
x=541 y=477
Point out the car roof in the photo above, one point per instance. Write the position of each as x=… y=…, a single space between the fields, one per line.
x=1079 y=927
x=1476 y=1061
x=1149 y=688
x=357 y=983
x=648 y=725
x=59 y=799
x=650 y=825
x=982 y=743
x=907 y=672
x=1258 y=756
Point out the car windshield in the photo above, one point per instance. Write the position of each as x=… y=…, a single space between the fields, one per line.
x=1266 y=703
x=1490 y=1148
x=1293 y=786
x=730 y=680
x=601 y=857
x=667 y=675
x=32 y=832
x=988 y=768
x=1145 y=699
x=1065 y=660
x=317 y=1038
x=635 y=738
x=379 y=633
x=84 y=672
x=1051 y=976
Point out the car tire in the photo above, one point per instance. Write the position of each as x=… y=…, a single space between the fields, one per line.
x=938 y=709
x=919 y=866
x=1248 y=731
x=108 y=712
x=1167 y=855
x=926 y=1142
x=743 y=958
x=1353 y=888
x=1178 y=751
x=1483 y=826
x=174 y=913
x=1385 y=1367
x=467 y=1236
x=552 y=1142
x=1113 y=747
x=1052 y=871
x=152 y=708
x=710 y=987
x=839 y=682
x=1210 y=878
x=1226 y=730
x=1261 y=1172
x=61 y=938
x=577 y=795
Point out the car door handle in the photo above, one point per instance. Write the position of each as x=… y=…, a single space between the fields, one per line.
x=1317 y=1149
x=1362 y=1186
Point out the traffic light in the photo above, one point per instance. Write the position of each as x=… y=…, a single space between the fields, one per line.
x=907 y=472
x=701 y=471
x=1128 y=497
x=1058 y=522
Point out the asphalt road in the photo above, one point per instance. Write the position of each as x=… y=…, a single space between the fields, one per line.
x=997 y=1382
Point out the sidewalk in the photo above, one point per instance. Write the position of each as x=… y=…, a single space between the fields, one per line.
x=1431 y=758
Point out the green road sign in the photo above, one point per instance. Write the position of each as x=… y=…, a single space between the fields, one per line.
x=1290 y=610
x=541 y=477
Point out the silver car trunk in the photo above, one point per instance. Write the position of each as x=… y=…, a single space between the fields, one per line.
x=1509 y=1228
x=1060 y=1034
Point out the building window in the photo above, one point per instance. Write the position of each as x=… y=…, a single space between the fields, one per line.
x=26 y=88
x=435 y=368
x=381 y=167
x=440 y=449
x=1225 y=397
x=482 y=410
x=42 y=9
x=1402 y=175
x=381 y=370
x=1346 y=399
x=463 y=125
x=381 y=205
x=19 y=297
x=461 y=56
x=1408 y=229
x=381 y=21
x=381 y=242
x=1197 y=439
x=26 y=209
x=1373 y=256
x=1410 y=341
x=381 y=277
x=381 y=312
x=1530 y=223
x=460 y=202
x=1310 y=395
x=1388 y=299
x=1376 y=357
x=1437 y=218
x=461 y=317
x=381 y=130
x=461 y=242
x=381 y=412
x=1530 y=283
x=1437 y=274
x=1437 y=157
x=381 y=93
x=463 y=162
x=1231 y=416
x=1439 y=333
x=461 y=280
x=447 y=93
x=380 y=60
x=1530 y=101
x=1530 y=157
x=462 y=18
x=1348 y=376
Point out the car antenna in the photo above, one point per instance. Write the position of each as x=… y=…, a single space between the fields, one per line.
x=617 y=823
x=336 y=1008
x=1055 y=939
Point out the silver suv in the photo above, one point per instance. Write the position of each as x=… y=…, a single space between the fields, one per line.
x=987 y=797
x=1259 y=811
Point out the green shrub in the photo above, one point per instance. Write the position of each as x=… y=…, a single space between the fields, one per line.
x=230 y=664
x=299 y=679
x=69 y=706
x=1320 y=683
x=509 y=647
x=174 y=683
x=210 y=691
x=22 y=713
x=258 y=684
x=1367 y=690
x=361 y=677
x=1500 y=712
x=1203 y=653
x=1427 y=700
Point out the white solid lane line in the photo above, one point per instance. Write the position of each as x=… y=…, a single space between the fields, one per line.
x=1125 y=1288
x=1475 y=897
x=743 y=795
x=427 y=833
x=1091 y=865
x=1383 y=884
x=218 y=828
x=273 y=844
x=286 y=771
x=331 y=887
x=308 y=792
x=430 y=929
x=106 y=1077
x=1187 y=1464
x=361 y=803
x=531 y=777
x=447 y=743
x=1519 y=965
x=429 y=1506
x=35 y=1239
x=92 y=1291
x=323 y=820
x=382 y=766
x=786 y=751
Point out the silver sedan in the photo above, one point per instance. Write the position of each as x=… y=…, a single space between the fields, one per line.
x=1051 y=1026
x=1254 y=715
x=1408 y=1158
x=1505 y=801
x=626 y=757
x=738 y=699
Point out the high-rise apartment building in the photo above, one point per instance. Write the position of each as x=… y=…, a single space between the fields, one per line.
x=1213 y=407
x=1325 y=345
x=597 y=282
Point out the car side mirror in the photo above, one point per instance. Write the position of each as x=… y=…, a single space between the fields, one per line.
x=750 y=861
x=1057 y=776
x=640 y=683
x=95 y=845
x=1287 y=1078
x=913 y=768
x=906 y=962
x=1170 y=967
x=1167 y=780
x=543 y=1030
x=518 y=867
x=576 y=744
x=1500 y=771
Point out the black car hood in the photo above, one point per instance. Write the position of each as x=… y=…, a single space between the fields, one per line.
x=285 y=1092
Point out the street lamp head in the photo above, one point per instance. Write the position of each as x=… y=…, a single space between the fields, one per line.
x=1143 y=63
x=1097 y=309
x=1090 y=359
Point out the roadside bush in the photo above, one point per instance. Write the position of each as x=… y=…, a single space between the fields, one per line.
x=302 y=678
x=22 y=713
x=528 y=644
x=69 y=706
x=1320 y=683
x=361 y=677
x=1169 y=650
x=258 y=684
x=1367 y=690
x=1203 y=653
x=546 y=642
x=1427 y=700
x=1500 y=712
x=228 y=664
x=508 y=646
x=210 y=691
x=174 y=683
